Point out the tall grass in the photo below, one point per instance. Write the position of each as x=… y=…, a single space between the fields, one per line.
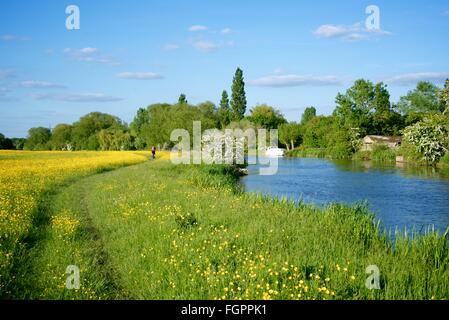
x=308 y=153
x=445 y=159
x=336 y=152
x=380 y=153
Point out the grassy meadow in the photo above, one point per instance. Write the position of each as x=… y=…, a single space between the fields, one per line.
x=154 y=230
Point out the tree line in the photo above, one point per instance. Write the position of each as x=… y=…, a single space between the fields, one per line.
x=364 y=109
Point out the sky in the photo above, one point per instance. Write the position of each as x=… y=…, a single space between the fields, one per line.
x=128 y=55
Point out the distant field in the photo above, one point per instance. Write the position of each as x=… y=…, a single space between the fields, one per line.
x=159 y=231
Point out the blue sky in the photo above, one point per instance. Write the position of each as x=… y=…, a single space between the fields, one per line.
x=130 y=54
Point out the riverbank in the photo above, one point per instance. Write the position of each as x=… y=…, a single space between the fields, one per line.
x=159 y=231
x=384 y=155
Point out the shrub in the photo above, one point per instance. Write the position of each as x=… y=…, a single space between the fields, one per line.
x=429 y=137
x=339 y=152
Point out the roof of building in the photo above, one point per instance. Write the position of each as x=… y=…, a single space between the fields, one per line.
x=383 y=139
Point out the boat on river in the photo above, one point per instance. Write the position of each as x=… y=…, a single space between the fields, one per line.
x=274 y=152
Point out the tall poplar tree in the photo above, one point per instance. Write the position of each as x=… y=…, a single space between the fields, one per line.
x=238 y=98
x=224 y=112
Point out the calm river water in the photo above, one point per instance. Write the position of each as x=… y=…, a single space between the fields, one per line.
x=412 y=197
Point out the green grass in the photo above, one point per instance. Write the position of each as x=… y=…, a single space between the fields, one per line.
x=445 y=160
x=380 y=153
x=159 y=231
x=336 y=152
x=308 y=153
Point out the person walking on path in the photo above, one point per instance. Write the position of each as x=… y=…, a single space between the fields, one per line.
x=153 y=152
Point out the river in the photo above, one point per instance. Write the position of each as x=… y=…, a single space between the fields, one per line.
x=400 y=196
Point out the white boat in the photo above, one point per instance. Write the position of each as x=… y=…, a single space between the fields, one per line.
x=274 y=152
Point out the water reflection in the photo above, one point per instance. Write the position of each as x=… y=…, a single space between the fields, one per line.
x=408 y=171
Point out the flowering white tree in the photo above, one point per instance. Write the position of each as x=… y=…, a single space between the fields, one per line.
x=226 y=147
x=430 y=137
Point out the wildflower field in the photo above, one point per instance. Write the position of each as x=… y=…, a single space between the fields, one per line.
x=159 y=231
x=26 y=178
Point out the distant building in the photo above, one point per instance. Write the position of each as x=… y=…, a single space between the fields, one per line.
x=370 y=141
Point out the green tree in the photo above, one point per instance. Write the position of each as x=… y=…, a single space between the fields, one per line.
x=156 y=132
x=425 y=98
x=266 y=117
x=61 y=138
x=316 y=131
x=308 y=114
x=18 y=143
x=444 y=96
x=115 y=138
x=243 y=124
x=367 y=108
x=354 y=107
x=38 y=139
x=385 y=120
x=289 y=134
x=381 y=99
x=6 y=143
x=209 y=111
x=224 y=111
x=141 y=119
x=238 y=97
x=84 y=132
x=182 y=99
x=164 y=118
x=327 y=133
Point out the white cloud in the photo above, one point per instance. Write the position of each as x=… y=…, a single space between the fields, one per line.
x=88 y=50
x=10 y=37
x=226 y=31
x=355 y=32
x=171 y=46
x=77 y=97
x=409 y=79
x=293 y=80
x=205 y=46
x=91 y=55
x=39 y=84
x=140 y=75
x=197 y=27
x=331 y=31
